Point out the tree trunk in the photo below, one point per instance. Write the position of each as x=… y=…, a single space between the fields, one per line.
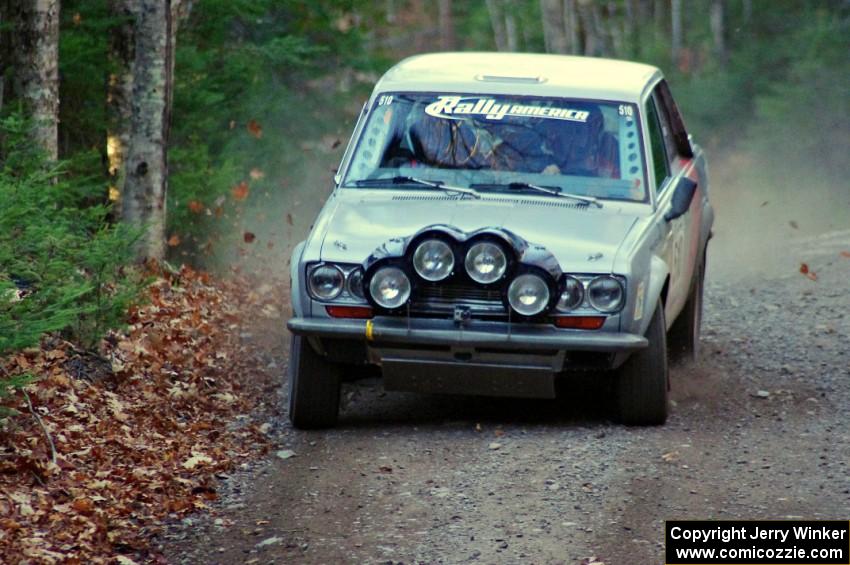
x=571 y=26
x=718 y=30
x=497 y=20
x=511 y=35
x=5 y=51
x=145 y=185
x=675 y=30
x=447 y=28
x=630 y=28
x=616 y=31
x=588 y=25
x=554 y=32
x=119 y=94
x=37 y=68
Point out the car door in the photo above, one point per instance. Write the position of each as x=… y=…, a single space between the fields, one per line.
x=670 y=166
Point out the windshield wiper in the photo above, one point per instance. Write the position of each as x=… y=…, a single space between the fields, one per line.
x=545 y=190
x=439 y=185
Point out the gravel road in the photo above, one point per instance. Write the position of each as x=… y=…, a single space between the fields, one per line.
x=758 y=430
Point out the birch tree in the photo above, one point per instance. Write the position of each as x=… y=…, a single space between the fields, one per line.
x=497 y=21
x=446 y=23
x=717 y=19
x=145 y=185
x=37 y=67
x=675 y=30
x=554 y=23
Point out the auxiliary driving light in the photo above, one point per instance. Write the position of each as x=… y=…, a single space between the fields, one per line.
x=486 y=262
x=605 y=293
x=433 y=260
x=390 y=287
x=528 y=294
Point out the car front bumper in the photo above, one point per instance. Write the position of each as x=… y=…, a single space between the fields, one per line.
x=481 y=357
x=476 y=334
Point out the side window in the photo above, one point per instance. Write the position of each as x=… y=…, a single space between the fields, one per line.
x=666 y=128
x=680 y=133
x=656 y=141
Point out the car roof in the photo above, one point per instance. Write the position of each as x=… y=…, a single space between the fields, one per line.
x=520 y=73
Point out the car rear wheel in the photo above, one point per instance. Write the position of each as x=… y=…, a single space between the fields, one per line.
x=642 y=382
x=684 y=334
x=314 y=386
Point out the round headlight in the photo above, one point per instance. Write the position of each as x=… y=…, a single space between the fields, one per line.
x=390 y=287
x=528 y=294
x=572 y=295
x=605 y=293
x=433 y=260
x=486 y=262
x=355 y=283
x=326 y=282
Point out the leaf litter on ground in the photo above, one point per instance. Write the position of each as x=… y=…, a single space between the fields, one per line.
x=141 y=433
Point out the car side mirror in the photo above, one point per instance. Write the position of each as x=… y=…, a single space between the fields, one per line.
x=682 y=196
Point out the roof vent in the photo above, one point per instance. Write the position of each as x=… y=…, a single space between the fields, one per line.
x=522 y=80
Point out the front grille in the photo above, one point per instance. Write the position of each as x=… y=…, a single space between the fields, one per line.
x=441 y=298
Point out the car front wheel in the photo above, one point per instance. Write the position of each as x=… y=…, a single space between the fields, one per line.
x=314 y=386
x=642 y=380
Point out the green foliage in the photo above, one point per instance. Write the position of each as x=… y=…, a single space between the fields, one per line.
x=241 y=66
x=62 y=266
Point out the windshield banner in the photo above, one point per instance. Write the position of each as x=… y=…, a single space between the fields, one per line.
x=456 y=107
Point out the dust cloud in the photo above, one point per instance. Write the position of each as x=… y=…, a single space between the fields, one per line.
x=772 y=217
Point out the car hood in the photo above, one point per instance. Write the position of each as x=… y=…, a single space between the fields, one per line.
x=582 y=239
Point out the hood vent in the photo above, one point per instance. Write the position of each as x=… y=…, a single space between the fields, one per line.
x=549 y=203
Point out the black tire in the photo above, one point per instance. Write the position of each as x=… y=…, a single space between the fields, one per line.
x=642 y=382
x=314 y=386
x=683 y=338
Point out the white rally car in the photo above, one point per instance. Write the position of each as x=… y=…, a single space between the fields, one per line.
x=500 y=221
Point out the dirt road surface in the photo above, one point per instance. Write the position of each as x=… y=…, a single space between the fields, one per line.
x=758 y=430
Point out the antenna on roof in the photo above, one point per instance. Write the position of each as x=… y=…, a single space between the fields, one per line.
x=498 y=78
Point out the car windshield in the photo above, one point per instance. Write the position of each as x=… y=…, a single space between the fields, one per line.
x=499 y=143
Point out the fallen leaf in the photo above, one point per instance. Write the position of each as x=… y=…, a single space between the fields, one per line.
x=670 y=456
x=196 y=459
x=498 y=433
x=255 y=129
x=804 y=268
x=240 y=191
x=195 y=207
x=289 y=219
x=83 y=505
x=174 y=240
x=249 y=237
x=845 y=254
x=77 y=19
x=385 y=469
